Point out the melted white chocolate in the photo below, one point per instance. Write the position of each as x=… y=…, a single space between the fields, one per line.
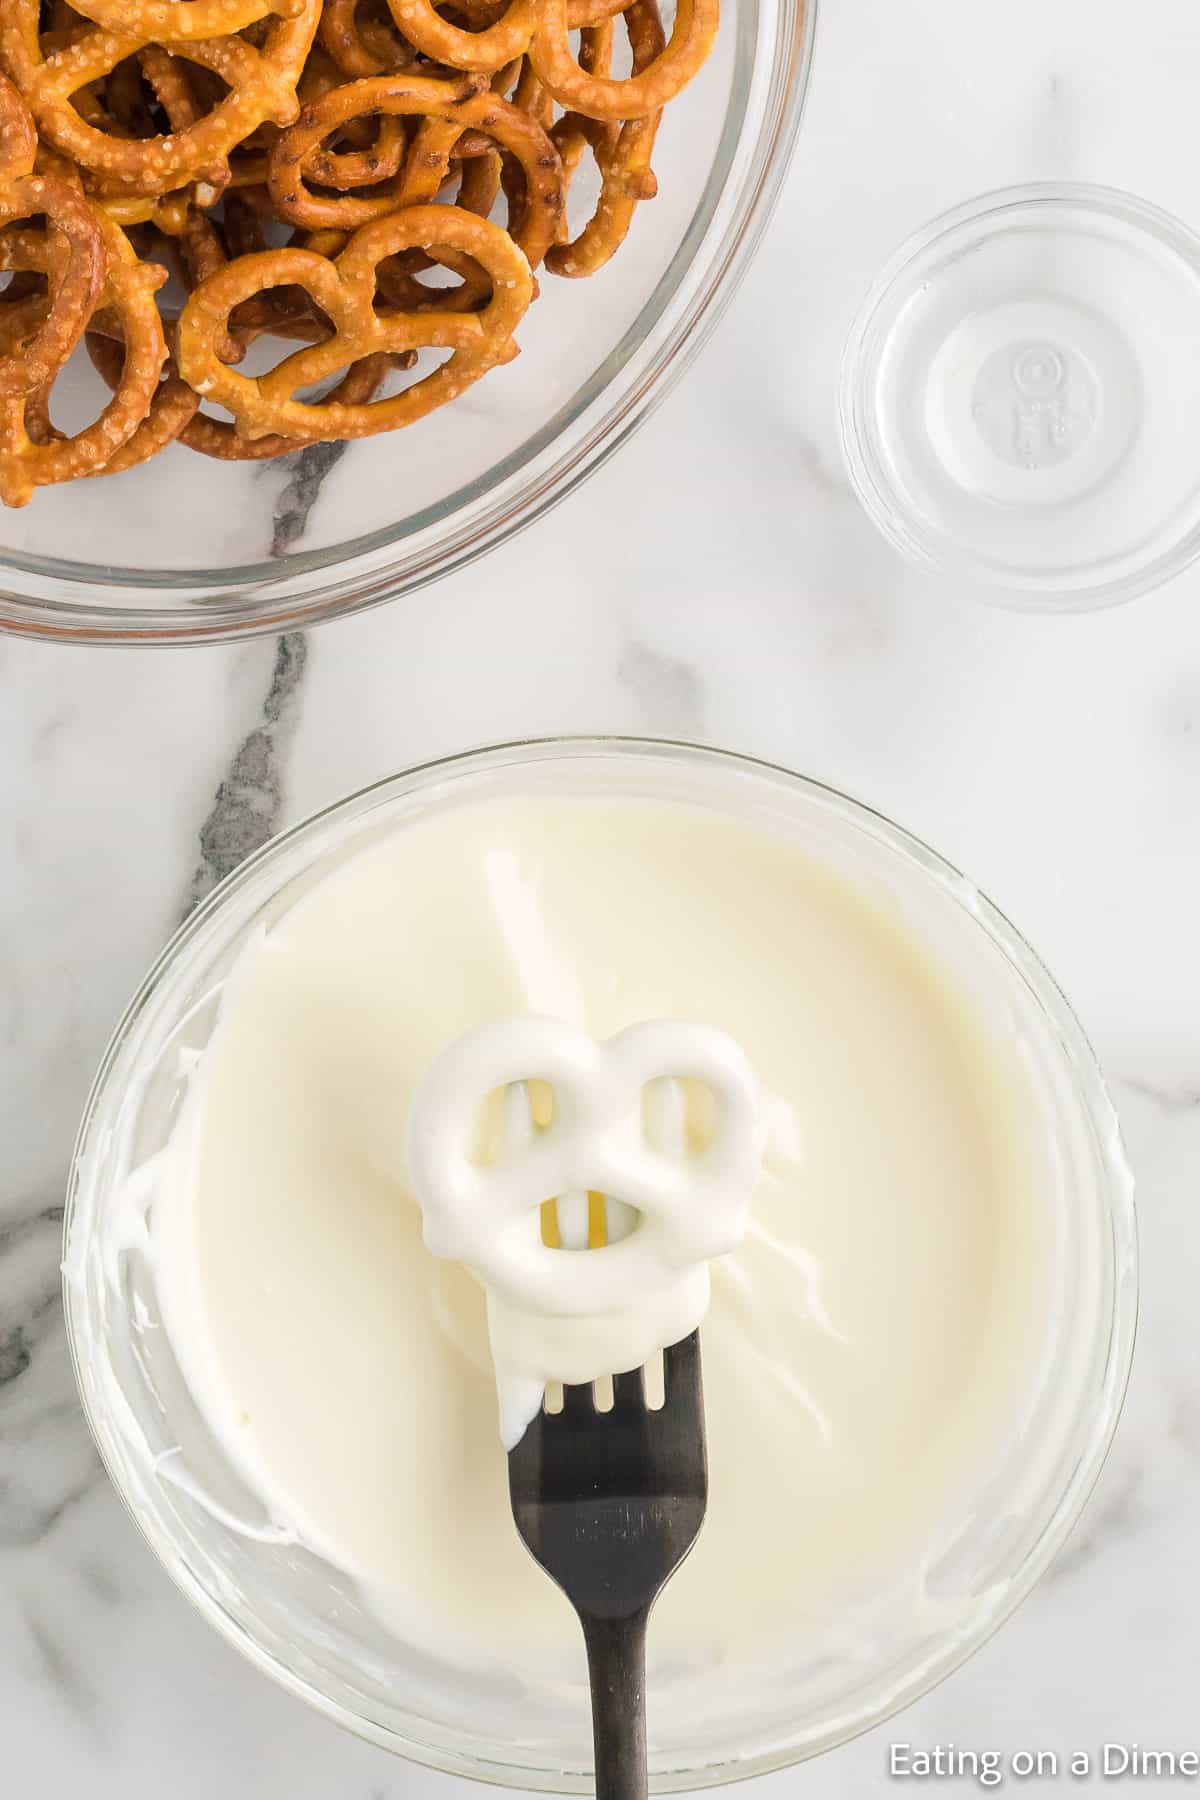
x=867 y=1347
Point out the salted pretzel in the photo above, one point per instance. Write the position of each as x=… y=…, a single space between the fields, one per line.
x=478 y=186
x=182 y=21
x=362 y=41
x=570 y=131
x=174 y=413
x=376 y=160
x=174 y=404
x=33 y=454
x=23 y=304
x=18 y=136
x=602 y=97
x=488 y=49
x=261 y=83
x=478 y=14
x=622 y=153
x=282 y=312
x=592 y=12
x=344 y=290
x=446 y=110
x=175 y=416
x=285 y=312
x=220 y=439
x=75 y=261
x=128 y=112
x=197 y=251
x=374 y=137
x=532 y=97
x=168 y=213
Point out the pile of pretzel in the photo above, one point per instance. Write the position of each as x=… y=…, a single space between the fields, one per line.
x=298 y=166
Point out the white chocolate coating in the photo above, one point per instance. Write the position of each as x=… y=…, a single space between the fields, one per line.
x=867 y=1347
x=555 y=1314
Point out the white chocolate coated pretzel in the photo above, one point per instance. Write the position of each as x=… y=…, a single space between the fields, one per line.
x=486 y=1214
x=618 y=1128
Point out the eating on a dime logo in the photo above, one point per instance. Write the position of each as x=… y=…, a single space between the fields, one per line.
x=992 y=1768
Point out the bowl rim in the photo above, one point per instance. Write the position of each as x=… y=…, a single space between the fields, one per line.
x=61 y=601
x=1094 y=1436
x=879 y=495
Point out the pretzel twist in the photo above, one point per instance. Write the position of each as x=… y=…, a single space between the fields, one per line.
x=172 y=407
x=174 y=413
x=261 y=83
x=361 y=44
x=380 y=133
x=622 y=154
x=182 y=21
x=479 y=184
x=602 y=97
x=488 y=50
x=74 y=261
x=446 y=111
x=18 y=135
x=344 y=291
x=32 y=454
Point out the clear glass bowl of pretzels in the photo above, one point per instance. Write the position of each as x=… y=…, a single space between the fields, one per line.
x=266 y=267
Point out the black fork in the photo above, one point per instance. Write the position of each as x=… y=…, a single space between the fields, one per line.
x=610 y=1504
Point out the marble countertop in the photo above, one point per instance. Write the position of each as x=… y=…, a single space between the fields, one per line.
x=1056 y=759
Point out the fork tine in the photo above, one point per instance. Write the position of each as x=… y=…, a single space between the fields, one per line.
x=628 y=1392
x=681 y=1369
x=578 y=1402
x=526 y=1458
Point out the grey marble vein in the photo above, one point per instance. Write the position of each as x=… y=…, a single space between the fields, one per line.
x=18 y=1341
x=829 y=478
x=249 y=801
x=1184 y=1424
x=29 y=1255
x=98 y=1582
x=1117 y=1509
x=18 y=1230
x=26 y=1522
x=669 y=690
x=47 y=1460
x=60 y=1665
x=43 y=1418
x=1058 y=147
x=1167 y=1097
x=308 y=467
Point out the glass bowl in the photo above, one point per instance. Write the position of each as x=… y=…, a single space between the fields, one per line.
x=1019 y=394
x=299 y=1619
x=186 y=548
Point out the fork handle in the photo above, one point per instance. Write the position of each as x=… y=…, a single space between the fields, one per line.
x=616 y=1650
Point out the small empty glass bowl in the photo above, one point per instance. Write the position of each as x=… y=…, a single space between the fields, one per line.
x=1020 y=392
x=186 y=548
x=301 y=1620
